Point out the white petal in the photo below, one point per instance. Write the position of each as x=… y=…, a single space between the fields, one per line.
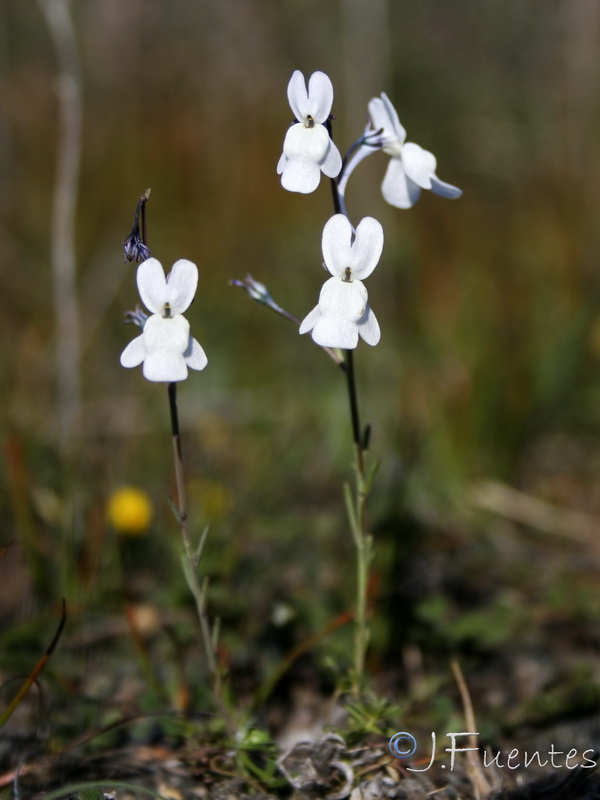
x=336 y=244
x=444 y=189
x=281 y=163
x=366 y=248
x=309 y=143
x=309 y=321
x=397 y=188
x=419 y=164
x=397 y=127
x=368 y=327
x=165 y=365
x=320 y=96
x=171 y=333
x=335 y=332
x=297 y=95
x=134 y=353
x=182 y=283
x=379 y=116
x=152 y=285
x=194 y=356
x=333 y=322
x=301 y=176
x=383 y=116
x=331 y=163
x=344 y=299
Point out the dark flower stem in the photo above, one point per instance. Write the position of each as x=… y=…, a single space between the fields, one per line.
x=354 y=412
x=177 y=453
x=135 y=247
x=142 y=212
x=338 y=201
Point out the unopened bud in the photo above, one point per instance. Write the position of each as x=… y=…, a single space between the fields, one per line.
x=134 y=248
x=255 y=290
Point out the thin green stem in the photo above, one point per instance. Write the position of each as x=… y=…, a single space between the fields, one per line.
x=356 y=507
x=191 y=561
x=356 y=503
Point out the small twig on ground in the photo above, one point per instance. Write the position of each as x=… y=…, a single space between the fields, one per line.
x=481 y=785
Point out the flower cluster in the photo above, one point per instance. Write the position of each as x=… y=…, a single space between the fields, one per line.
x=165 y=347
x=343 y=313
x=309 y=150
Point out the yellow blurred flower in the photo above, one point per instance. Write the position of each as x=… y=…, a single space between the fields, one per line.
x=129 y=511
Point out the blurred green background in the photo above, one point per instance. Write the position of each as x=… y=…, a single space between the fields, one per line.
x=489 y=308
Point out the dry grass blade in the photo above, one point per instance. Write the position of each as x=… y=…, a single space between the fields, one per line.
x=481 y=785
x=533 y=512
x=5 y=716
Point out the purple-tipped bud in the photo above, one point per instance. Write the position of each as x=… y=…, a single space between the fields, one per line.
x=134 y=248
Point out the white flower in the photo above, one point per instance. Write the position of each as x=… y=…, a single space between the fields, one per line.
x=343 y=312
x=308 y=148
x=166 y=347
x=411 y=168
